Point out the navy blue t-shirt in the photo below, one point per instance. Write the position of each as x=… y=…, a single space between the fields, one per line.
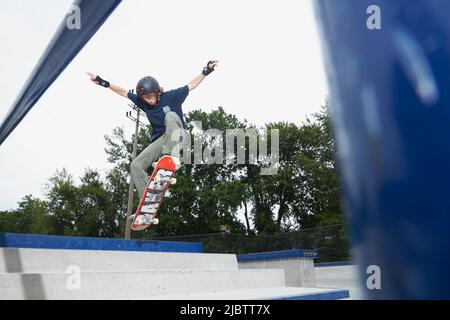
x=169 y=101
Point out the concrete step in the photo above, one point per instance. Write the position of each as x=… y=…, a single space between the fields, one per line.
x=13 y=260
x=270 y=293
x=132 y=285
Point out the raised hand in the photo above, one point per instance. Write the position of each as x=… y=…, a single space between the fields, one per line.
x=92 y=77
x=210 y=67
x=213 y=63
x=97 y=80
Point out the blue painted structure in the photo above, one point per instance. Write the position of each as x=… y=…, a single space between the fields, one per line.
x=334 y=295
x=16 y=240
x=390 y=106
x=64 y=46
x=278 y=255
x=334 y=264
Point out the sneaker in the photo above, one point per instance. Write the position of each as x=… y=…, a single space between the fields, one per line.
x=147 y=218
x=144 y=219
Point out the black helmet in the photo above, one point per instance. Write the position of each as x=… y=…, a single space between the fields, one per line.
x=147 y=85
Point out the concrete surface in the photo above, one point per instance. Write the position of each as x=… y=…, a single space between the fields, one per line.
x=298 y=272
x=340 y=277
x=55 y=274
x=271 y=293
x=129 y=285
x=55 y=260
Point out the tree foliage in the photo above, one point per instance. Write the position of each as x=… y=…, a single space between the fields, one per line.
x=208 y=198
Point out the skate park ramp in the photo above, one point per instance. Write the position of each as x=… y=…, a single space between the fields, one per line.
x=339 y=275
x=36 y=267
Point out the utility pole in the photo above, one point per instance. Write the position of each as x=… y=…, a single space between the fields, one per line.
x=135 y=119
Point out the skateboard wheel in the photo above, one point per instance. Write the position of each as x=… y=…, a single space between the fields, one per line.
x=173 y=181
x=155 y=221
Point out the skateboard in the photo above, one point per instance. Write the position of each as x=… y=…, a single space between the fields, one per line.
x=157 y=187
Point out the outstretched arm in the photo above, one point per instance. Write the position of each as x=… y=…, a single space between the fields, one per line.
x=207 y=70
x=99 y=81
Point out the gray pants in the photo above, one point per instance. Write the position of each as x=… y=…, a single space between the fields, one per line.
x=164 y=145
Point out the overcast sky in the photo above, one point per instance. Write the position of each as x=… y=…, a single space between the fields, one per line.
x=270 y=69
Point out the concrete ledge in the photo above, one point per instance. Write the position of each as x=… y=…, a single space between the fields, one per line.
x=341 y=275
x=16 y=240
x=297 y=264
x=24 y=260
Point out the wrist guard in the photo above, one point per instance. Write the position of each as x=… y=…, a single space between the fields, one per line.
x=102 y=82
x=207 y=70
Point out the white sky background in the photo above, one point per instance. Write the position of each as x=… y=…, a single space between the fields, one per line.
x=270 y=69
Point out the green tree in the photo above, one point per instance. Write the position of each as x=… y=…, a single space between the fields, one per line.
x=30 y=217
x=90 y=209
x=305 y=190
x=62 y=195
x=304 y=193
x=205 y=197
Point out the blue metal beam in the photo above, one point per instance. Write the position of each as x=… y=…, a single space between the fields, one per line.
x=64 y=46
x=390 y=106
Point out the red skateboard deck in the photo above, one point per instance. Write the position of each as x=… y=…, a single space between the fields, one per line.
x=159 y=182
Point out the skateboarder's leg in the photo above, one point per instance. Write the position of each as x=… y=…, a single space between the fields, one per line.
x=174 y=134
x=142 y=162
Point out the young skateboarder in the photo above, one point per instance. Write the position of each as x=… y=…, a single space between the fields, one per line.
x=164 y=111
